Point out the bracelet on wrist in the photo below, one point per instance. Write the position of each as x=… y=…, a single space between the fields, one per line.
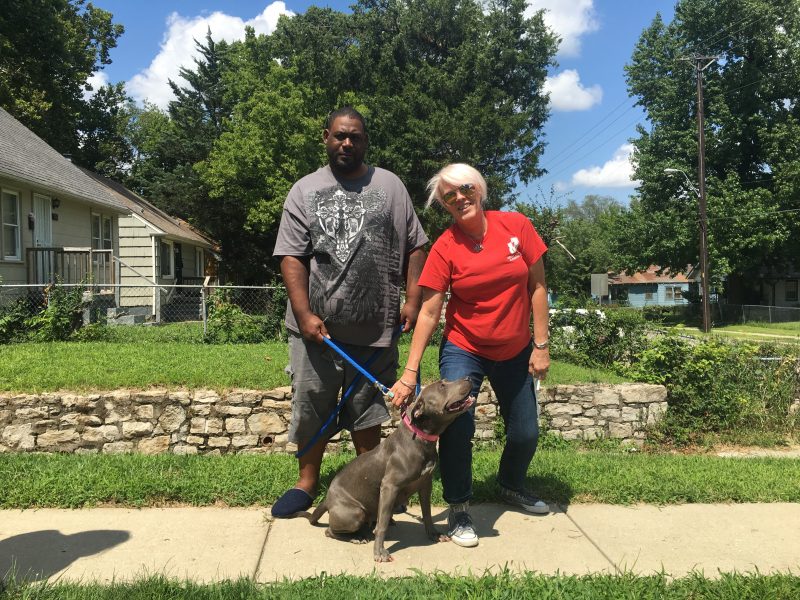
x=408 y=385
x=541 y=346
x=412 y=370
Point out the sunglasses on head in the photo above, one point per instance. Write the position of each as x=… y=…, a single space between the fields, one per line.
x=467 y=190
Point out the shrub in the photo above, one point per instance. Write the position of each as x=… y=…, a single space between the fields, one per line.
x=12 y=321
x=595 y=338
x=275 y=314
x=716 y=386
x=61 y=315
x=229 y=324
x=93 y=332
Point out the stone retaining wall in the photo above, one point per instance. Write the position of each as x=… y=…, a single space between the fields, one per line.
x=248 y=421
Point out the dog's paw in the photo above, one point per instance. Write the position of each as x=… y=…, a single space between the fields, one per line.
x=360 y=540
x=436 y=536
x=383 y=556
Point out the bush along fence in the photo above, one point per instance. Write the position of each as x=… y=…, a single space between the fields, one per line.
x=60 y=312
x=249 y=421
x=713 y=385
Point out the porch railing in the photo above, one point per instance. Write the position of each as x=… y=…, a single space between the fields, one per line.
x=70 y=265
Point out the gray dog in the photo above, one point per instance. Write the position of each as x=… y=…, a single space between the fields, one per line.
x=368 y=488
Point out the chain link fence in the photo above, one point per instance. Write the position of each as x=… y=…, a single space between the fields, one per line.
x=753 y=313
x=722 y=314
x=227 y=313
x=231 y=314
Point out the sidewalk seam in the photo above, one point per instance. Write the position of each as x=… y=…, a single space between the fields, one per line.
x=263 y=548
x=593 y=543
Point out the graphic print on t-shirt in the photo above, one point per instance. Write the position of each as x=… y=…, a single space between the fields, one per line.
x=357 y=253
x=341 y=220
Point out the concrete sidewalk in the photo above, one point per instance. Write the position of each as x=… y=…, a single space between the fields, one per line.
x=211 y=544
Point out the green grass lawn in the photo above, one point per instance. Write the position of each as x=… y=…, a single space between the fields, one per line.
x=791 y=326
x=147 y=357
x=504 y=585
x=561 y=473
x=781 y=333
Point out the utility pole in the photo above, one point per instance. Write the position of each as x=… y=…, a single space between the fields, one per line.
x=699 y=67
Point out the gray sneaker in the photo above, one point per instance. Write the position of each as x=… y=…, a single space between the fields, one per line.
x=524 y=500
x=459 y=526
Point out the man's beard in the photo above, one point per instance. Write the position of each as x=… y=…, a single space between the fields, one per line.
x=346 y=167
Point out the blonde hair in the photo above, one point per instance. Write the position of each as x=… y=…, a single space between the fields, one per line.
x=455 y=174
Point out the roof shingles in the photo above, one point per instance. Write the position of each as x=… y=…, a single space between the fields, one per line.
x=27 y=158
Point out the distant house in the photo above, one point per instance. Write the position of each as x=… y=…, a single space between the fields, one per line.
x=651 y=287
x=156 y=253
x=779 y=289
x=58 y=224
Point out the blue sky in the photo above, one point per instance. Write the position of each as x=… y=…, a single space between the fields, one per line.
x=591 y=119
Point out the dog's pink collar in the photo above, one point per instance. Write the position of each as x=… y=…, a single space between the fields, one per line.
x=417 y=431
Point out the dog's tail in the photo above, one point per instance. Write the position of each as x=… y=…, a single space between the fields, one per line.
x=321 y=509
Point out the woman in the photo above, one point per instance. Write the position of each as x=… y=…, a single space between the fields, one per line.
x=491 y=262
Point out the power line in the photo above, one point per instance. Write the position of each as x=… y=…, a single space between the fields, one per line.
x=573 y=143
x=566 y=166
x=722 y=33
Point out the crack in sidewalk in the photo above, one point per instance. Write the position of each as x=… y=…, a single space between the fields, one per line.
x=617 y=570
x=269 y=521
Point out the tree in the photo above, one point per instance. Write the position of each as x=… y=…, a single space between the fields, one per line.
x=439 y=81
x=48 y=50
x=173 y=147
x=272 y=141
x=589 y=231
x=752 y=119
x=103 y=132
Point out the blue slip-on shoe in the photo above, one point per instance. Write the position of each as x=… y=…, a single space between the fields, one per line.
x=292 y=502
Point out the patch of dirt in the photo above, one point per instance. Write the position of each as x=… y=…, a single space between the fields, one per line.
x=789 y=451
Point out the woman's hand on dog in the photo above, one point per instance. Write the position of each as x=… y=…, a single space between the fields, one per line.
x=401 y=392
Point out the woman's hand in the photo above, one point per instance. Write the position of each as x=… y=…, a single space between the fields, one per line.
x=402 y=390
x=539 y=363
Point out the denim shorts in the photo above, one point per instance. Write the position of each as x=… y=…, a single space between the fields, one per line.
x=319 y=375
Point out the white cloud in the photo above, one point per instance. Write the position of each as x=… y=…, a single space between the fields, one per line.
x=617 y=172
x=569 y=19
x=178 y=48
x=567 y=93
x=97 y=80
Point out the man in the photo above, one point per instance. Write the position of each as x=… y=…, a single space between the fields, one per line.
x=348 y=235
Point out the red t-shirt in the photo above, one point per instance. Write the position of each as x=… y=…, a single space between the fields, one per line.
x=489 y=311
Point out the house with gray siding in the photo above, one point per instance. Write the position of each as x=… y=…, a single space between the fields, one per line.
x=57 y=223
x=159 y=257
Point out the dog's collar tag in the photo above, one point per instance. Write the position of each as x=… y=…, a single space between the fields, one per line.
x=417 y=431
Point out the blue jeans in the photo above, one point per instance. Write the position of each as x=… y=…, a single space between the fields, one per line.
x=513 y=386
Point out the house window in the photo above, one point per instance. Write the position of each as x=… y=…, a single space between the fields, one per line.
x=673 y=292
x=102 y=232
x=10 y=233
x=199 y=263
x=648 y=295
x=166 y=259
x=791 y=290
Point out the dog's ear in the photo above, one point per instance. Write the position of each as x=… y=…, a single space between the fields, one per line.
x=416 y=407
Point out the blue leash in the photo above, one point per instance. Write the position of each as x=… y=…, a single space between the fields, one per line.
x=362 y=372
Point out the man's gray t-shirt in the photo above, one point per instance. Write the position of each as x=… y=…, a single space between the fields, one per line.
x=357 y=234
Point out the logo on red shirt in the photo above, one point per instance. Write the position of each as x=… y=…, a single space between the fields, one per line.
x=513 y=249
